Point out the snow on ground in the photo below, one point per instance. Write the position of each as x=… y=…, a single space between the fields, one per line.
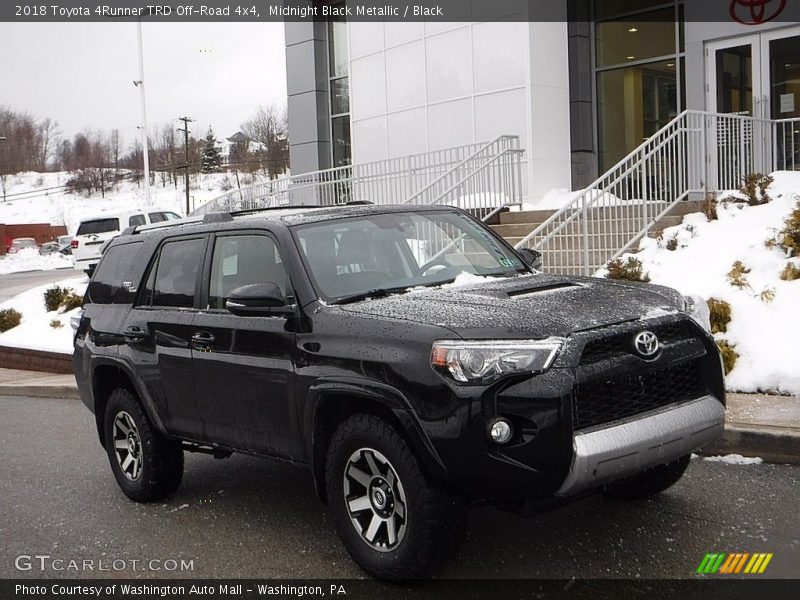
x=735 y=459
x=35 y=331
x=765 y=333
x=46 y=202
x=29 y=259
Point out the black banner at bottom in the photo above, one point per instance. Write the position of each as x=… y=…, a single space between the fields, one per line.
x=537 y=589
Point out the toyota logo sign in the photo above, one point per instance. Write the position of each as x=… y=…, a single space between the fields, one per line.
x=646 y=344
x=755 y=12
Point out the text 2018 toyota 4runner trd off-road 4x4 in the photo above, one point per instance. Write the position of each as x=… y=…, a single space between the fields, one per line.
x=408 y=355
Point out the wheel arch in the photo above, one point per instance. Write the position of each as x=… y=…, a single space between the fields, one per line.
x=333 y=403
x=108 y=375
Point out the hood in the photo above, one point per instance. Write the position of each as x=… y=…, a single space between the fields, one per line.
x=529 y=306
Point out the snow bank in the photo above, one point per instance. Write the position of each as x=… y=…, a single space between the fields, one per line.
x=35 y=331
x=29 y=259
x=735 y=459
x=48 y=202
x=765 y=333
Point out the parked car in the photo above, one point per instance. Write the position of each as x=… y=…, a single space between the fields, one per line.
x=93 y=233
x=65 y=244
x=21 y=243
x=410 y=358
x=49 y=248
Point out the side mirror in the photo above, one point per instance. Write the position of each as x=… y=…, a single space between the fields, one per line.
x=532 y=258
x=257 y=299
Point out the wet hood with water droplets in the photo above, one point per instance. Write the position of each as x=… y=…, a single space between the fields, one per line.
x=533 y=306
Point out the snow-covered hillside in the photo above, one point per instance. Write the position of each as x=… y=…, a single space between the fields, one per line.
x=765 y=332
x=41 y=198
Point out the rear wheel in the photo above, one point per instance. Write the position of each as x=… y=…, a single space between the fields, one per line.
x=147 y=466
x=392 y=519
x=650 y=482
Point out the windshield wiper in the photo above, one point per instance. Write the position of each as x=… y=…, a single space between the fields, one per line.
x=373 y=293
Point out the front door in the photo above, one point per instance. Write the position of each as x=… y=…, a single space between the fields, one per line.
x=243 y=365
x=754 y=76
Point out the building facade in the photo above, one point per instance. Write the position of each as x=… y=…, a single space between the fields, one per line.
x=581 y=83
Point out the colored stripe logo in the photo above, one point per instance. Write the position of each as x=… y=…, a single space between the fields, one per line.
x=734 y=562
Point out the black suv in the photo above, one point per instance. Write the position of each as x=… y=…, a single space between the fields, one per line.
x=413 y=360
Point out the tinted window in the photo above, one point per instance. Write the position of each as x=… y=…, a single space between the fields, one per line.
x=157 y=217
x=136 y=220
x=171 y=216
x=98 y=226
x=173 y=278
x=114 y=269
x=241 y=260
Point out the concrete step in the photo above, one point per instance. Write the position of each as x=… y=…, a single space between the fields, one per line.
x=526 y=216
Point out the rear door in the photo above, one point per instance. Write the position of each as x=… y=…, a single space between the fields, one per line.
x=244 y=365
x=158 y=331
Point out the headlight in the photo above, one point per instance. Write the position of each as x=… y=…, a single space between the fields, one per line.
x=486 y=361
x=696 y=307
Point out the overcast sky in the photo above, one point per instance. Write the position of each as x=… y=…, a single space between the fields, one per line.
x=81 y=74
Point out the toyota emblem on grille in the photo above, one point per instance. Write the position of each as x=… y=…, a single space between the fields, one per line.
x=646 y=344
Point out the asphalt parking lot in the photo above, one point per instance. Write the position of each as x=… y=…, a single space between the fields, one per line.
x=248 y=518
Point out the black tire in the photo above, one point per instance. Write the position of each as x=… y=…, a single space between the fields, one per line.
x=431 y=522
x=156 y=466
x=650 y=482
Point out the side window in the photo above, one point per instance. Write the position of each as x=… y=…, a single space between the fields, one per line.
x=156 y=217
x=173 y=278
x=170 y=216
x=113 y=271
x=241 y=260
x=136 y=220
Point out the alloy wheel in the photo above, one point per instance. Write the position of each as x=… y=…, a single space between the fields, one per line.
x=375 y=499
x=127 y=446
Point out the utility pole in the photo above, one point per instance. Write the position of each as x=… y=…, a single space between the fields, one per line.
x=140 y=85
x=185 y=130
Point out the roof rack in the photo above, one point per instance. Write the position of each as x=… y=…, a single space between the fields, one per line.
x=250 y=211
x=215 y=217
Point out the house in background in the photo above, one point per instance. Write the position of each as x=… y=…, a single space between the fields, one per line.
x=241 y=143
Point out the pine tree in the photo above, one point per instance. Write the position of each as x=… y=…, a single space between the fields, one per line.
x=211 y=160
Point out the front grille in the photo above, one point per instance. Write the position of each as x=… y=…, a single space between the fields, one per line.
x=603 y=401
x=621 y=343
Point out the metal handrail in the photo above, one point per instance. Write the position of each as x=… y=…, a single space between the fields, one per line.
x=695 y=152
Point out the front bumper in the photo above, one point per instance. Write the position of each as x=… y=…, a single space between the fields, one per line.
x=622 y=450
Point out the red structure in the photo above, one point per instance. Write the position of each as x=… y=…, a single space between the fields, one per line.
x=42 y=232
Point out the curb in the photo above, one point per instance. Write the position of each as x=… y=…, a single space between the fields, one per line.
x=35 y=360
x=41 y=391
x=773 y=444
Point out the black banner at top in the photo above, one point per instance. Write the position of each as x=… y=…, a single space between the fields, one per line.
x=744 y=12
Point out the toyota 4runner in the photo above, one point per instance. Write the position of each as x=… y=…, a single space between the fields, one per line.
x=413 y=360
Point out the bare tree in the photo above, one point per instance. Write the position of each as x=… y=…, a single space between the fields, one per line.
x=115 y=147
x=269 y=127
x=49 y=134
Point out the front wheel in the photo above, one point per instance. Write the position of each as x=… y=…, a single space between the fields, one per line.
x=147 y=466
x=392 y=519
x=650 y=482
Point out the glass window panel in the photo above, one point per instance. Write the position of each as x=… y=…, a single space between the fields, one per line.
x=113 y=270
x=632 y=104
x=735 y=80
x=340 y=95
x=243 y=260
x=340 y=129
x=784 y=67
x=337 y=48
x=176 y=273
x=619 y=42
x=609 y=8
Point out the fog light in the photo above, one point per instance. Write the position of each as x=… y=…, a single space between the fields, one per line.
x=500 y=431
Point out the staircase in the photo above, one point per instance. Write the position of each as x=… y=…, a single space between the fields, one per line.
x=515 y=226
x=693 y=154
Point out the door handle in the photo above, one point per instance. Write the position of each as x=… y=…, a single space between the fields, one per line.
x=203 y=340
x=134 y=334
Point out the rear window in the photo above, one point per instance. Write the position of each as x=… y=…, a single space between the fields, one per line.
x=98 y=226
x=136 y=220
x=111 y=282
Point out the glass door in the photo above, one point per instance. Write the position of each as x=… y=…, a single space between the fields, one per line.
x=780 y=67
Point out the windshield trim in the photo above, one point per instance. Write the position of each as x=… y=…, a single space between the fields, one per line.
x=336 y=300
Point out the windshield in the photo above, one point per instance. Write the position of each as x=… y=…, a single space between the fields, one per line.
x=98 y=226
x=360 y=255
